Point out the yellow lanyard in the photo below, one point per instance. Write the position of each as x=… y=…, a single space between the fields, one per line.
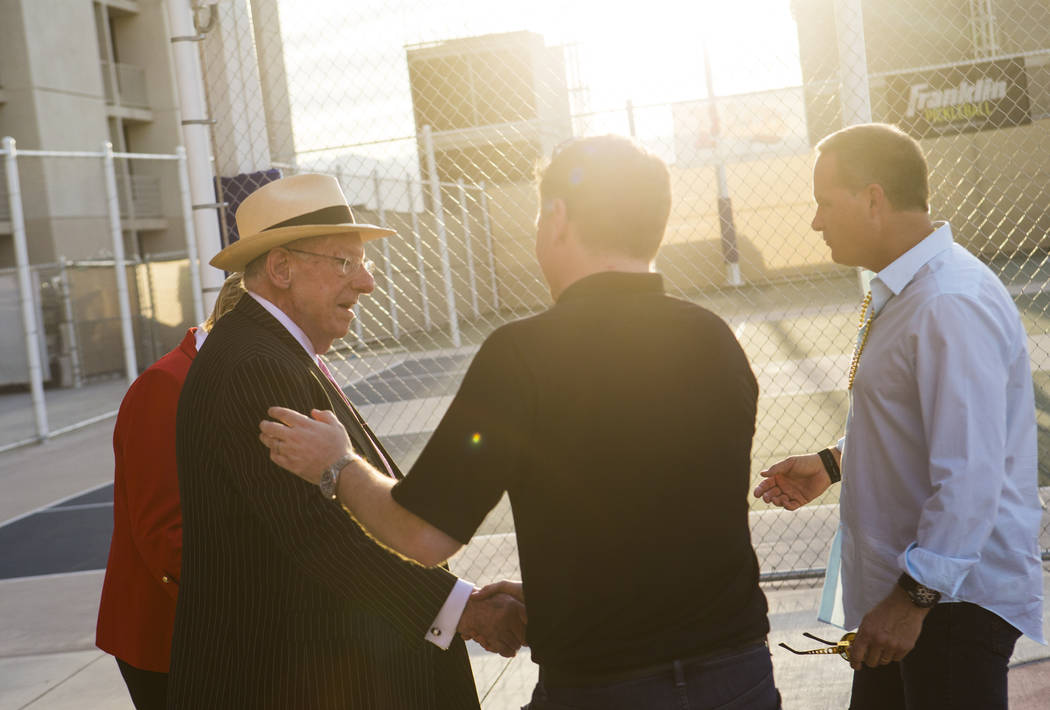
x=863 y=331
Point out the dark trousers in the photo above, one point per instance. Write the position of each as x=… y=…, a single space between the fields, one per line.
x=148 y=689
x=959 y=663
x=735 y=681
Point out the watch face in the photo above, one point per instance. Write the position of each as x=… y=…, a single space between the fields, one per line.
x=924 y=597
x=328 y=484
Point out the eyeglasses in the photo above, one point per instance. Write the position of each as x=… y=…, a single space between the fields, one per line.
x=344 y=265
x=841 y=647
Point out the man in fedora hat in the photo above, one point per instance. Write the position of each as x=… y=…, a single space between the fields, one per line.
x=619 y=422
x=284 y=601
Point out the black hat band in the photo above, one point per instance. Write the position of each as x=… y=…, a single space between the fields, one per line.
x=339 y=214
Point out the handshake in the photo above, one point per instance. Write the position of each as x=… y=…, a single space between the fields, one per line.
x=307 y=446
x=495 y=618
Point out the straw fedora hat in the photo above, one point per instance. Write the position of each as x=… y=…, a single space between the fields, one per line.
x=291 y=208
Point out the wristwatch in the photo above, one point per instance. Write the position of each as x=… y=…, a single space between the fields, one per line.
x=921 y=596
x=329 y=483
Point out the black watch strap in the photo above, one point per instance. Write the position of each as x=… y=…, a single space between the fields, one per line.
x=920 y=595
x=830 y=465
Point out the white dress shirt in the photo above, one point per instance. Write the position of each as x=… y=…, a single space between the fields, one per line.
x=939 y=471
x=443 y=630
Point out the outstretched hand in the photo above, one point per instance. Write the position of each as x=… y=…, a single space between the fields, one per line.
x=495 y=620
x=504 y=586
x=306 y=446
x=793 y=482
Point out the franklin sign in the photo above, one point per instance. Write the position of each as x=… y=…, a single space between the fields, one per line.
x=958 y=99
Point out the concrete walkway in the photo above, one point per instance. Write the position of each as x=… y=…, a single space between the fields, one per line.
x=48 y=659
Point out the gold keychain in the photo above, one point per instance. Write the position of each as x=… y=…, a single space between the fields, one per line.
x=841 y=647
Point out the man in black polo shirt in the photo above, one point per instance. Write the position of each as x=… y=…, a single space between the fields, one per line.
x=620 y=424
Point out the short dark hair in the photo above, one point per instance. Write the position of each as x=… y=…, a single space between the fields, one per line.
x=616 y=192
x=881 y=154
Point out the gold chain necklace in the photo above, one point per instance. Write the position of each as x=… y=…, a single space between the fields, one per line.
x=863 y=326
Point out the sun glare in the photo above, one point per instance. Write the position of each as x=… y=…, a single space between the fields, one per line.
x=348 y=75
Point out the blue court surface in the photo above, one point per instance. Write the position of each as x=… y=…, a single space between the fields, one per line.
x=73 y=535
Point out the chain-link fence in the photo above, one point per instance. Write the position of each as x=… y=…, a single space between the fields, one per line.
x=96 y=299
x=79 y=337
x=433 y=118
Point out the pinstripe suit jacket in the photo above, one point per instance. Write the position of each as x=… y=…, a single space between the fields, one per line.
x=284 y=601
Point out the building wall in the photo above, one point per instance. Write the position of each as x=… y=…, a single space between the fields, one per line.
x=495 y=103
x=59 y=95
x=54 y=86
x=989 y=183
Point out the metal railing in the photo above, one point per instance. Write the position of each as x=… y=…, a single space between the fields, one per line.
x=36 y=363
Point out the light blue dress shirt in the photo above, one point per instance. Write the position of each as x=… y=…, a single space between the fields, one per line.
x=939 y=471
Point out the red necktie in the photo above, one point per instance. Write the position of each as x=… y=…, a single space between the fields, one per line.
x=386 y=467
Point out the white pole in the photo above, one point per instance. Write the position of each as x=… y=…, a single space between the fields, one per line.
x=388 y=268
x=854 y=92
x=119 y=266
x=488 y=243
x=29 y=324
x=726 y=222
x=465 y=218
x=359 y=327
x=195 y=137
x=421 y=264
x=439 y=216
x=191 y=238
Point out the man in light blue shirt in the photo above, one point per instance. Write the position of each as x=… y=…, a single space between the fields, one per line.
x=939 y=504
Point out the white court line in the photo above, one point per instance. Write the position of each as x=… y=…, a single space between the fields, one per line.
x=55 y=502
x=54 y=575
x=85 y=506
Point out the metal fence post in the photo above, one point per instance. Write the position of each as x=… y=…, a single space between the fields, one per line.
x=388 y=268
x=196 y=136
x=439 y=216
x=421 y=263
x=191 y=235
x=70 y=325
x=29 y=324
x=487 y=224
x=465 y=218
x=359 y=327
x=119 y=265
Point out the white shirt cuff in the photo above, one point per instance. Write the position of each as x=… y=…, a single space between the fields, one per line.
x=443 y=630
x=944 y=574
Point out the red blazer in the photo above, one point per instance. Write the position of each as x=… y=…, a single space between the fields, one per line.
x=137 y=611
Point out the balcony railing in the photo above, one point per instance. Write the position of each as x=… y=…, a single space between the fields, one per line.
x=131 y=85
x=145 y=196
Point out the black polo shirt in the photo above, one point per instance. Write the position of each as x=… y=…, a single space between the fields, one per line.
x=620 y=422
